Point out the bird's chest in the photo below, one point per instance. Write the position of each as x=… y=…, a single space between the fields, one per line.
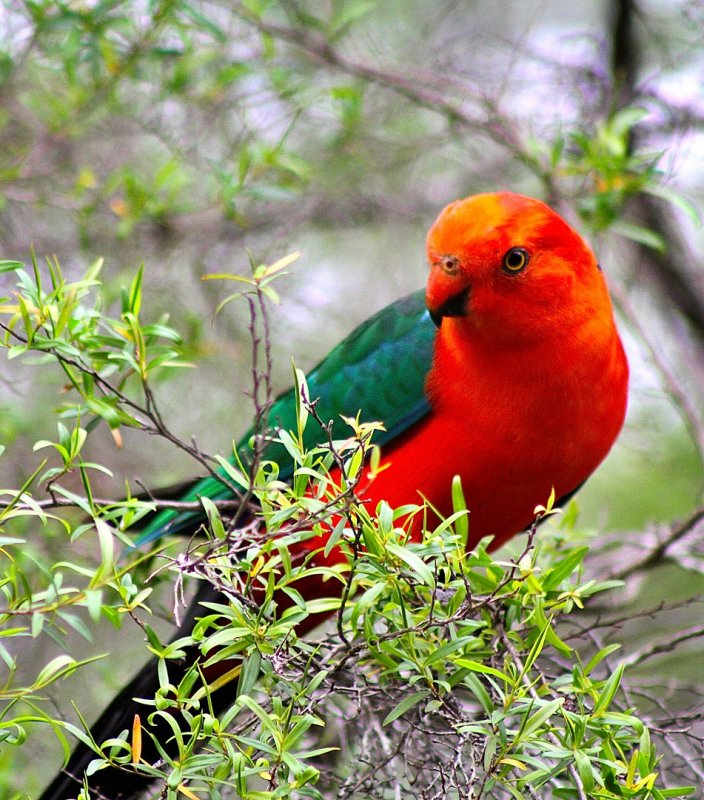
x=514 y=433
x=516 y=402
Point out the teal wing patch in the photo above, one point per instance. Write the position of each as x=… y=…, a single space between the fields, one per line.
x=378 y=370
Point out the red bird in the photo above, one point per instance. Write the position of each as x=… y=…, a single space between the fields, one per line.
x=514 y=378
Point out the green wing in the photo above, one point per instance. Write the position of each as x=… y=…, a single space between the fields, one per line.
x=379 y=369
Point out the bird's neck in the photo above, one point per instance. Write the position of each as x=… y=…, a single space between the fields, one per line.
x=580 y=354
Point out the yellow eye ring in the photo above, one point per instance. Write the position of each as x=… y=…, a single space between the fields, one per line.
x=515 y=260
x=450 y=265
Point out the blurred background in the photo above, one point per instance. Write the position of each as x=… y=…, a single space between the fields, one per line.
x=195 y=137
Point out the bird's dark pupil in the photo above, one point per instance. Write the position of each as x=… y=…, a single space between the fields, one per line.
x=450 y=264
x=515 y=259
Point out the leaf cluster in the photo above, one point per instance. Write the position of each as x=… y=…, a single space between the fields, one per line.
x=437 y=665
x=443 y=674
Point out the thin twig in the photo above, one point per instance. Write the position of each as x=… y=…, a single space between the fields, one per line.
x=656 y=556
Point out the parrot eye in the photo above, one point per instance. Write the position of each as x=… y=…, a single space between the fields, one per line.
x=515 y=260
x=450 y=265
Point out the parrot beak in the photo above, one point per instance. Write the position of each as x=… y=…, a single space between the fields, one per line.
x=454 y=306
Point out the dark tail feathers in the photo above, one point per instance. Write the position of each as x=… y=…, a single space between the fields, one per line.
x=121 y=784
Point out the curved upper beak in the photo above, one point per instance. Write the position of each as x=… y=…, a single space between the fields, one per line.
x=454 y=306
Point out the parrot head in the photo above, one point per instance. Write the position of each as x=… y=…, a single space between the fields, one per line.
x=508 y=266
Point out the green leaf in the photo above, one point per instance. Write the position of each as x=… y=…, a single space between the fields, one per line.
x=55 y=669
x=547 y=634
x=106 y=411
x=349 y=12
x=539 y=718
x=459 y=504
x=94 y=602
x=564 y=568
x=366 y=600
x=446 y=649
x=584 y=768
x=597 y=658
x=624 y=120
x=134 y=301
x=214 y=518
x=251 y=667
x=641 y=235
x=407 y=703
x=676 y=199
x=232 y=472
x=609 y=691
x=485 y=669
x=473 y=683
x=105 y=538
x=38 y=621
x=416 y=564
x=301 y=390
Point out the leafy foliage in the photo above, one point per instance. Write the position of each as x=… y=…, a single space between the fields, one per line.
x=446 y=666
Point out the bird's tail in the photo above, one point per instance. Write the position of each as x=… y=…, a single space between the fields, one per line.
x=123 y=783
x=116 y=783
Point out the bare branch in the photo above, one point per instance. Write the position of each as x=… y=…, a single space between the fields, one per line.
x=658 y=554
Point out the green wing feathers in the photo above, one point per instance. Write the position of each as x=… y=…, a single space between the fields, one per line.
x=378 y=370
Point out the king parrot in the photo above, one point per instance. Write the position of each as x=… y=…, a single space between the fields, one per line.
x=508 y=371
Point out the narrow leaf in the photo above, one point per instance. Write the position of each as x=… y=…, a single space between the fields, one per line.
x=405 y=704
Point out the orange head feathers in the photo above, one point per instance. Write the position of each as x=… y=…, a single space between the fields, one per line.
x=512 y=267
